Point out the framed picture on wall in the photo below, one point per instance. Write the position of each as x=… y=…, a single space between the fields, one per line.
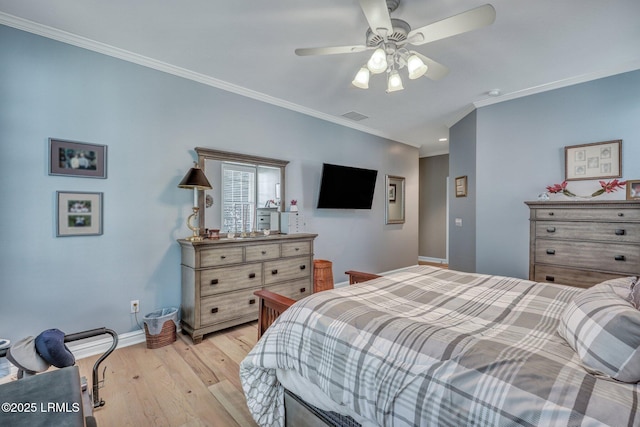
x=81 y=159
x=461 y=186
x=633 y=190
x=392 y=193
x=599 y=160
x=78 y=214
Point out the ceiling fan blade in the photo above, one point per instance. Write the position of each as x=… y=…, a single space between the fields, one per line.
x=466 y=21
x=435 y=70
x=308 y=51
x=377 y=16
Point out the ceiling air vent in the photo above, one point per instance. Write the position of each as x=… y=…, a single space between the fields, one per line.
x=356 y=117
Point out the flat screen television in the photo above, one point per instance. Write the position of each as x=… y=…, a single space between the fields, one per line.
x=345 y=187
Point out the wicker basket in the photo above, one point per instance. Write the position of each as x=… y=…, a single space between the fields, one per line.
x=166 y=336
x=322 y=275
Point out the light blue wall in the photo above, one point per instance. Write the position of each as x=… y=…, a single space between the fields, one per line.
x=462 y=162
x=520 y=150
x=151 y=121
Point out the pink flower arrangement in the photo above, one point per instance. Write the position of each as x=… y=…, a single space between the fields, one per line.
x=612 y=186
x=294 y=202
x=607 y=187
x=560 y=188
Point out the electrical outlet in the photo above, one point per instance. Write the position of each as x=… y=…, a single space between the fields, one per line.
x=135 y=306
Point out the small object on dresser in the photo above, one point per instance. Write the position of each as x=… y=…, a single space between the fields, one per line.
x=294 y=206
x=214 y=233
x=266 y=231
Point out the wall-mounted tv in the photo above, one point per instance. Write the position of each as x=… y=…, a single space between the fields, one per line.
x=345 y=187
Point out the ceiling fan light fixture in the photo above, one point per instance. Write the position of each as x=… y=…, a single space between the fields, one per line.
x=378 y=61
x=416 y=67
x=395 y=82
x=362 y=78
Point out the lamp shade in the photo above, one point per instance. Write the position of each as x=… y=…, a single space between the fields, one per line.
x=416 y=67
x=395 y=82
x=362 y=78
x=195 y=178
x=378 y=61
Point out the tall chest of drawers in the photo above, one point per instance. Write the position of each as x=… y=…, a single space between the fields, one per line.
x=220 y=276
x=583 y=243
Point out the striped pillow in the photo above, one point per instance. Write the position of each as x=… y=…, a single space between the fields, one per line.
x=603 y=328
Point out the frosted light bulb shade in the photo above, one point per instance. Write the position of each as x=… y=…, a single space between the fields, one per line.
x=378 y=61
x=362 y=79
x=416 y=67
x=395 y=82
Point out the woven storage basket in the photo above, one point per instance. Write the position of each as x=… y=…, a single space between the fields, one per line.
x=166 y=336
x=322 y=275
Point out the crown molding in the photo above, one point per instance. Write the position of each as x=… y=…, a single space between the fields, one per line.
x=125 y=55
x=587 y=77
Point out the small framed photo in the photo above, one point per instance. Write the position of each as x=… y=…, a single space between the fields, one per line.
x=599 y=160
x=82 y=159
x=633 y=190
x=392 y=193
x=79 y=214
x=461 y=186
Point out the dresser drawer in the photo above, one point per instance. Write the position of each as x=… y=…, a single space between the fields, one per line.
x=593 y=214
x=232 y=305
x=227 y=279
x=260 y=252
x=570 y=276
x=220 y=256
x=286 y=269
x=589 y=255
x=296 y=248
x=601 y=231
x=294 y=290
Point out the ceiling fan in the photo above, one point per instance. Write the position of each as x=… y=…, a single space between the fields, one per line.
x=390 y=38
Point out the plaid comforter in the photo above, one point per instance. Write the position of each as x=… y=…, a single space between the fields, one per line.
x=434 y=347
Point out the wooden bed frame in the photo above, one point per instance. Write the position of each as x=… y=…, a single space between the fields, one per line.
x=273 y=305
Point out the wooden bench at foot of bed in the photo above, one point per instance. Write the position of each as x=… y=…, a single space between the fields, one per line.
x=273 y=305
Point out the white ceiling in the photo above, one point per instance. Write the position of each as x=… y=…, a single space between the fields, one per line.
x=248 y=47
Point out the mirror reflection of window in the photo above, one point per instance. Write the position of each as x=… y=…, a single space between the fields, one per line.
x=238 y=197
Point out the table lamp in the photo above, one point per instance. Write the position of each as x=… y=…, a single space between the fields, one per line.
x=195 y=179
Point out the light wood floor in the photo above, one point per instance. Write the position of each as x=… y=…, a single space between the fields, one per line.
x=176 y=385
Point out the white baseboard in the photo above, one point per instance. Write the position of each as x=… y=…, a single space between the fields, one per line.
x=99 y=346
x=434 y=260
x=81 y=350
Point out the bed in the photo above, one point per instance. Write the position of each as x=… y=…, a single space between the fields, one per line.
x=434 y=347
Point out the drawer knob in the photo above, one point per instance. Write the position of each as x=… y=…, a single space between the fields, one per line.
x=551 y=251
x=223 y=256
x=303 y=290
x=620 y=258
x=550 y=278
x=620 y=232
x=264 y=252
x=214 y=310
x=302 y=267
x=252 y=275
x=551 y=230
x=550 y=213
x=620 y=214
x=297 y=249
x=252 y=301
x=214 y=282
x=274 y=271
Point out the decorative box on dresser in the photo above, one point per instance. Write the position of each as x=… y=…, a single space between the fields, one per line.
x=583 y=243
x=220 y=276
